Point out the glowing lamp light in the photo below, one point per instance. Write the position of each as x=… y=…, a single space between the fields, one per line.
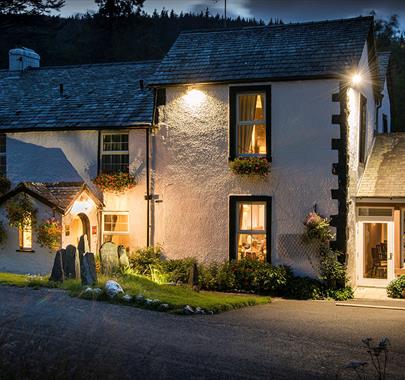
x=356 y=79
x=194 y=97
x=81 y=206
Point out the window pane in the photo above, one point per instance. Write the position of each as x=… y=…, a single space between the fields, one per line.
x=114 y=163
x=115 y=142
x=251 y=107
x=25 y=237
x=252 y=246
x=245 y=216
x=117 y=239
x=252 y=139
x=116 y=223
x=258 y=221
x=366 y=211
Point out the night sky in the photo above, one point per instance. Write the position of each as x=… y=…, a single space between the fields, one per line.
x=287 y=10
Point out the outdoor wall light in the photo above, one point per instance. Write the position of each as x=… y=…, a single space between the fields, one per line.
x=194 y=97
x=81 y=206
x=356 y=79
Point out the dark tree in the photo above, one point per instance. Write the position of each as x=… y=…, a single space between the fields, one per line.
x=30 y=6
x=119 y=8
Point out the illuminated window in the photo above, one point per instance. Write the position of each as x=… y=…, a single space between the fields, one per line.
x=114 y=153
x=116 y=228
x=249 y=229
x=3 y=162
x=250 y=121
x=363 y=129
x=25 y=237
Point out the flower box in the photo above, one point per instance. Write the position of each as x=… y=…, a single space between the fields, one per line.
x=116 y=182
x=249 y=166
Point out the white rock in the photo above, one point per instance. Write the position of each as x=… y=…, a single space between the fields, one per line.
x=113 y=288
x=188 y=310
x=127 y=298
x=140 y=298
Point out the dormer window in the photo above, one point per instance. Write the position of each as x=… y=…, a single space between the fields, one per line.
x=114 y=153
x=250 y=121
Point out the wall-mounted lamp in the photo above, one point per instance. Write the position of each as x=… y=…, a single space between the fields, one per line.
x=356 y=79
x=194 y=97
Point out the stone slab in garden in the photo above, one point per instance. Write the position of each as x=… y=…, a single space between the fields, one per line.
x=71 y=262
x=57 y=274
x=109 y=257
x=88 y=268
x=83 y=245
x=122 y=255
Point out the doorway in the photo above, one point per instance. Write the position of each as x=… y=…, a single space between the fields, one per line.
x=79 y=226
x=375 y=236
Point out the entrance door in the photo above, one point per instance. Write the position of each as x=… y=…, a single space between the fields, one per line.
x=375 y=264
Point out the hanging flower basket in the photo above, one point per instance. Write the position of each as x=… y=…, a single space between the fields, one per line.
x=20 y=211
x=249 y=166
x=49 y=234
x=317 y=229
x=116 y=183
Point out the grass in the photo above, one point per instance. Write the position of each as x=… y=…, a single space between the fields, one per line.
x=176 y=296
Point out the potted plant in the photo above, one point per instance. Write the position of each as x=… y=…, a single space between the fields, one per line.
x=248 y=166
x=115 y=182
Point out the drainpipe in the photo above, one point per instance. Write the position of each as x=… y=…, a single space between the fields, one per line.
x=379 y=104
x=147 y=188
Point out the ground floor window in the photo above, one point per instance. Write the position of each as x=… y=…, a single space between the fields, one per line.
x=250 y=221
x=25 y=237
x=116 y=228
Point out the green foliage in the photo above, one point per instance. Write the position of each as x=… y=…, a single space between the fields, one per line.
x=3 y=233
x=250 y=166
x=119 y=8
x=30 y=6
x=217 y=276
x=396 y=288
x=49 y=234
x=331 y=271
x=304 y=288
x=21 y=211
x=145 y=259
x=317 y=229
x=341 y=294
x=178 y=269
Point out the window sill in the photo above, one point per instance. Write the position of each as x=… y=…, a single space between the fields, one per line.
x=25 y=250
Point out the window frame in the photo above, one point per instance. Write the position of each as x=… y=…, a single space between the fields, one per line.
x=103 y=152
x=21 y=233
x=234 y=200
x=362 y=129
x=103 y=231
x=234 y=93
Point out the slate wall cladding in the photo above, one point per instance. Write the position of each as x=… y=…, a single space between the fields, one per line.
x=194 y=182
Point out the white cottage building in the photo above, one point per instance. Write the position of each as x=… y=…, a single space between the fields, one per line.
x=312 y=98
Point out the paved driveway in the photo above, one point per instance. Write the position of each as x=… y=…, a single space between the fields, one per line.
x=46 y=334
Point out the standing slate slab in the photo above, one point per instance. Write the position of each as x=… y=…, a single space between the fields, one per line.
x=122 y=255
x=109 y=257
x=88 y=269
x=57 y=274
x=71 y=262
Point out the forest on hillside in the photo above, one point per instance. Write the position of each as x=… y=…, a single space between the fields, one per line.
x=121 y=31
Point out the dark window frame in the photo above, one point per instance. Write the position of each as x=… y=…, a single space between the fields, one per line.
x=102 y=153
x=234 y=91
x=362 y=129
x=233 y=211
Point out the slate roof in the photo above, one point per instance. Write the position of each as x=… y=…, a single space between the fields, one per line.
x=384 y=173
x=383 y=62
x=94 y=96
x=316 y=49
x=56 y=194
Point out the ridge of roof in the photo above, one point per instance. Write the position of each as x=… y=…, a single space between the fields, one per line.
x=238 y=28
x=84 y=65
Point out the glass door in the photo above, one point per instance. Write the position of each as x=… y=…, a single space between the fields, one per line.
x=375 y=253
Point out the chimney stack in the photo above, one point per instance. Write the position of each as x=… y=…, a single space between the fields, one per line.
x=21 y=59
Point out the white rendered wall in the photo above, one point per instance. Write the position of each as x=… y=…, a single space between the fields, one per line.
x=356 y=169
x=194 y=182
x=385 y=109
x=38 y=262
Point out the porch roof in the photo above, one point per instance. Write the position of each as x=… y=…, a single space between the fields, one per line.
x=384 y=173
x=59 y=195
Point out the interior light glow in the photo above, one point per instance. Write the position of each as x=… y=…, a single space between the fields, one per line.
x=194 y=97
x=356 y=79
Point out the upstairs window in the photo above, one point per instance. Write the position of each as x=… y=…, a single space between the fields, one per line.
x=3 y=162
x=114 y=153
x=250 y=121
x=363 y=129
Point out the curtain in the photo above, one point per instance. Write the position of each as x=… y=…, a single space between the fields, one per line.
x=247 y=111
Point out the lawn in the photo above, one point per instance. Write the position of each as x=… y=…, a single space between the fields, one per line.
x=176 y=296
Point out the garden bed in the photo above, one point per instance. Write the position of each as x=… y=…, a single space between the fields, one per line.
x=175 y=296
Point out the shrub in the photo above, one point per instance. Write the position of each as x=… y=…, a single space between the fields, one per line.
x=217 y=276
x=396 y=287
x=145 y=259
x=317 y=229
x=21 y=211
x=331 y=271
x=178 y=269
x=342 y=294
x=250 y=166
x=49 y=234
x=5 y=184
x=116 y=182
x=304 y=288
